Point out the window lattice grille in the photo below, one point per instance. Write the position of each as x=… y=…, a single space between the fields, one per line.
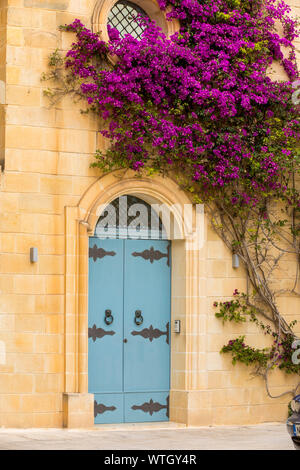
x=116 y=219
x=122 y=16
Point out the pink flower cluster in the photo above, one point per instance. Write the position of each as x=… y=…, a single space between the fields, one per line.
x=200 y=102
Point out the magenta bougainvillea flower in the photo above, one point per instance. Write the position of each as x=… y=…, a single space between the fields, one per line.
x=200 y=102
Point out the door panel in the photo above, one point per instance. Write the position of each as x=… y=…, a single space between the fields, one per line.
x=147 y=289
x=105 y=293
x=108 y=408
x=129 y=352
x=144 y=407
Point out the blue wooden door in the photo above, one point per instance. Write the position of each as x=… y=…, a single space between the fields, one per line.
x=129 y=329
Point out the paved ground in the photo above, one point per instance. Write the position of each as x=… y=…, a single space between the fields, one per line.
x=268 y=437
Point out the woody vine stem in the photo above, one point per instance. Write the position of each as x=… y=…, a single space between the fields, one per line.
x=201 y=107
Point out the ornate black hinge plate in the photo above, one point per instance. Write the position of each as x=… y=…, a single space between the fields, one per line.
x=152 y=407
x=153 y=333
x=100 y=253
x=99 y=408
x=153 y=255
x=95 y=333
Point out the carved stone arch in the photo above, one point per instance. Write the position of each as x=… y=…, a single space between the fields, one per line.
x=159 y=190
x=151 y=7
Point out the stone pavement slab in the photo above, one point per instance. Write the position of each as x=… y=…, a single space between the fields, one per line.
x=260 y=437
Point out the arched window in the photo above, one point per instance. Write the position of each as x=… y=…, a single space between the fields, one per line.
x=119 y=14
x=130 y=217
x=122 y=17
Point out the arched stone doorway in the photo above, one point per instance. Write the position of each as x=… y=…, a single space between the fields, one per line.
x=187 y=252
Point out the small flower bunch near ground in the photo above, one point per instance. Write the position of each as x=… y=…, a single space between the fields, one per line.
x=282 y=352
x=246 y=354
x=278 y=355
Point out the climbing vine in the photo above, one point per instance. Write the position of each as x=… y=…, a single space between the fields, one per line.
x=278 y=355
x=202 y=107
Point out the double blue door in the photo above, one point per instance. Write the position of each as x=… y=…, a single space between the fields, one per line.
x=129 y=329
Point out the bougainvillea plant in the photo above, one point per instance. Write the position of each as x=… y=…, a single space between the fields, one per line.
x=202 y=107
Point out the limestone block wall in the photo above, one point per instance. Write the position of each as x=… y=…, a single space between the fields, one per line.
x=210 y=390
x=47 y=154
x=47 y=157
x=2 y=77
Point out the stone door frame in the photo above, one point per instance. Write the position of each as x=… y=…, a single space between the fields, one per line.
x=80 y=222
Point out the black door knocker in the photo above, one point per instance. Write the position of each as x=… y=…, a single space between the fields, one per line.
x=138 y=319
x=108 y=317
